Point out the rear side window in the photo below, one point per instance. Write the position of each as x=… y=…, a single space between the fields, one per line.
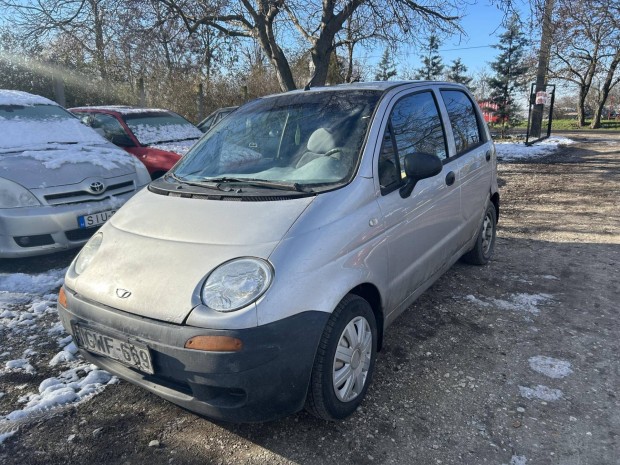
x=414 y=126
x=464 y=120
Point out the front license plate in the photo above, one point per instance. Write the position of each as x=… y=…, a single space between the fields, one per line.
x=127 y=352
x=88 y=221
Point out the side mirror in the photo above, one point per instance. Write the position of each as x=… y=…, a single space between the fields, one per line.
x=419 y=166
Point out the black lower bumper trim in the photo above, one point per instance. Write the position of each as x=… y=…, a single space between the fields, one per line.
x=266 y=380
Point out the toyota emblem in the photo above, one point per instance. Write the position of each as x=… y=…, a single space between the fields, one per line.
x=97 y=187
x=122 y=293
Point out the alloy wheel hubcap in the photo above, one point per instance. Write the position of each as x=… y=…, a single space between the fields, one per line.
x=352 y=359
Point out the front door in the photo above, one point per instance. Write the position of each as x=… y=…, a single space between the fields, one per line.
x=419 y=229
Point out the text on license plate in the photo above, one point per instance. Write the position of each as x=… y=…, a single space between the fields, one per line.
x=88 y=221
x=126 y=352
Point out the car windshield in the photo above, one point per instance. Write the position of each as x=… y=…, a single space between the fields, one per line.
x=38 y=126
x=310 y=139
x=159 y=127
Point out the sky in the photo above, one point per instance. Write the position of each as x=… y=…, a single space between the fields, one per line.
x=482 y=25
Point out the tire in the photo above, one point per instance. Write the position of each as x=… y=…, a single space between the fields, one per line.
x=352 y=325
x=485 y=242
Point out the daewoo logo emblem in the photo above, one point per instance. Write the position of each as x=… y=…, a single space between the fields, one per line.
x=123 y=293
x=97 y=187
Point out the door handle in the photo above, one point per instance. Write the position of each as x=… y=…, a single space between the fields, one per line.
x=488 y=155
x=450 y=178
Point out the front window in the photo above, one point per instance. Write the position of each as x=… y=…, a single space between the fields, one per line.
x=311 y=139
x=39 y=126
x=158 y=127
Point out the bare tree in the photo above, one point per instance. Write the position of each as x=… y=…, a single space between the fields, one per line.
x=584 y=34
x=319 y=23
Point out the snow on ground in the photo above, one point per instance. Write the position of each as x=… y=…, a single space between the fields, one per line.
x=29 y=322
x=520 y=302
x=540 y=392
x=551 y=367
x=513 y=151
x=70 y=386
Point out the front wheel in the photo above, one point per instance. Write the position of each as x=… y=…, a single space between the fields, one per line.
x=485 y=242
x=345 y=360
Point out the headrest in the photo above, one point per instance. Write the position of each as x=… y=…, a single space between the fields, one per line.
x=321 y=141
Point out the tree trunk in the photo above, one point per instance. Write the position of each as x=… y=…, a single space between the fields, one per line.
x=267 y=40
x=607 y=85
x=581 y=106
x=543 y=65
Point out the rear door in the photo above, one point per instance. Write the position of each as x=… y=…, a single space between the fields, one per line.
x=472 y=153
x=419 y=229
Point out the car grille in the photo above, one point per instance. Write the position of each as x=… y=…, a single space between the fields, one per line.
x=79 y=196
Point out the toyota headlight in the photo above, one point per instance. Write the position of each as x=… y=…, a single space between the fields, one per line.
x=236 y=283
x=12 y=195
x=87 y=253
x=141 y=173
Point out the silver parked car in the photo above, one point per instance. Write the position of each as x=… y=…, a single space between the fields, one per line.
x=259 y=275
x=59 y=180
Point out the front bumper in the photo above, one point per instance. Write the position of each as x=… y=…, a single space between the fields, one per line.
x=266 y=380
x=49 y=228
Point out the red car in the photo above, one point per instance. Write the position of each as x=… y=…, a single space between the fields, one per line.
x=158 y=138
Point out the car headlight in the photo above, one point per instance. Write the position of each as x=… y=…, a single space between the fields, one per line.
x=12 y=195
x=236 y=283
x=141 y=172
x=87 y=253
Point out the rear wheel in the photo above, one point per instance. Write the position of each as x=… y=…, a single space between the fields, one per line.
x=345 y=360
x=485 y=242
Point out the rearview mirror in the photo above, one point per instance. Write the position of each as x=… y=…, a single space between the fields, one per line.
x=419 y=166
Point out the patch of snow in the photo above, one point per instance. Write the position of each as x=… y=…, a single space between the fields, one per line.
x=65 y=355
x=5 y=436
x=28 y=284
x=107 y=157
x=149 y=134
x=181 y=147
x=510 y=151
x=518 y=460
x=17 y=97
x=550 y=276
x=69 y=387
x=551 y=367
x=522 y=302
x=20 y=364
x=122 y=109
x=540 y=392
x=22 y=133
x=476 y=300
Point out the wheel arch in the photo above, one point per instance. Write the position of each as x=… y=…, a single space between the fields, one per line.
x=371 y=294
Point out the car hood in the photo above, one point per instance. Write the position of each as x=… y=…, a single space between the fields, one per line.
x=160 y=249
x=54 y=165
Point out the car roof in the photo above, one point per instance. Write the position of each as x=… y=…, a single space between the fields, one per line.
x=17 y=97
x=121 y=109
x=380 y=86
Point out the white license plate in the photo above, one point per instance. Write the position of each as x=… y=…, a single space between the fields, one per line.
x=127 y=352
x=96 y=219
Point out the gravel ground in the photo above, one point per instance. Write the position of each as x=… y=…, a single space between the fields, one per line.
x=513 y=363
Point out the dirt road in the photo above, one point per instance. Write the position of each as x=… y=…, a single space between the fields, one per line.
x=514 y=363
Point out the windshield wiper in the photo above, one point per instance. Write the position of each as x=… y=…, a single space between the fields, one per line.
x=207 y=184
x=283 y=185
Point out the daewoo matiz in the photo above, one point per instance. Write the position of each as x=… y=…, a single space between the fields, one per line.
x=260 y=274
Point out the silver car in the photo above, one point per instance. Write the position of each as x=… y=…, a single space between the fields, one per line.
x=259 y=275
x=59 y=180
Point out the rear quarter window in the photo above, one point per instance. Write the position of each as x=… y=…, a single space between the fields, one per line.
x=463 y=119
